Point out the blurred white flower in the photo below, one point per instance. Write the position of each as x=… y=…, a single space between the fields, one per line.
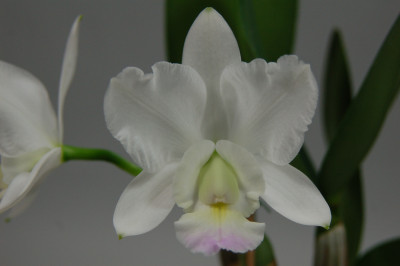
x=213 y=135
x=31 y=135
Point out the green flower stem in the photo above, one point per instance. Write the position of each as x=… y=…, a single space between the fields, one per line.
x=78 y=153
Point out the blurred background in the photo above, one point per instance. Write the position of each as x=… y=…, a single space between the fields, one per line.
x=70 y=222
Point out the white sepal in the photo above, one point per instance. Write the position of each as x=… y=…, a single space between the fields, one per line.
x=67 y=72
x=292 y=194
x=24 y=181
x=27 y=118
x=145 y=202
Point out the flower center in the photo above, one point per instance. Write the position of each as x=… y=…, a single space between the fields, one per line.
x=218 y=182
x=219 y=212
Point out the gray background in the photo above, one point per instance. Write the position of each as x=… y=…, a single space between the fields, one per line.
x=70 y=223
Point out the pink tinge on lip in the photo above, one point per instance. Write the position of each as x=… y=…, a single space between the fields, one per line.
x=201 y=232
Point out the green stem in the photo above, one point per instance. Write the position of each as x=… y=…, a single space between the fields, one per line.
x=78 y=153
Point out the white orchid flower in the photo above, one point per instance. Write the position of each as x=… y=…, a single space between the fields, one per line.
x=31 y=135
x=213 y=135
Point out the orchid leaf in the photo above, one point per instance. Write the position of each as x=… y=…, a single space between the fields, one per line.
x=351 y=211
x=337 y=86
x=385 y=254
x=364 y=118
x=347 y=208
x=270 y=26
x=347 y=205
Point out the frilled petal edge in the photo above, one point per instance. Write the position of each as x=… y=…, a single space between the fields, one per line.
x=24 y=182
x=216 y=227
x=269 y=106
x=145 y=202
x=292 y=194
x=158 y=116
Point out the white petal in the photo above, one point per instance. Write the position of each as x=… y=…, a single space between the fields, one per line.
x=27 y=118
x=67 y=71
x=209 y=47
x=24 y=182
x=293 y=195
x=269 y=106
x=12 y=166
x=208 y=230
x=145 y=202
x=156 y=116
x=186 y=178
x=251 y=183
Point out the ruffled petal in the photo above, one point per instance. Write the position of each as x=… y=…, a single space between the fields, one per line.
x=293 y=195
x=24 y=182
x=145 y=202
x=251 y=182
x=27 y=119
x=67 y=72
x=156 y=117
x=209 y=47
x=269 y=106
x=186 y=178
x=213 y=228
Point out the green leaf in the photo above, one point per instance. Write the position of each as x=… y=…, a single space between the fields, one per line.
x=265 y=254
x=337 y=86
x=364 y=118
x=347 y=204
x=270 y=26
x=347 y=208
x=386 y=254
x=351 y=212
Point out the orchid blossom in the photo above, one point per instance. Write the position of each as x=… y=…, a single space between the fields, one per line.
x=31 y=135
x=213 y=135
